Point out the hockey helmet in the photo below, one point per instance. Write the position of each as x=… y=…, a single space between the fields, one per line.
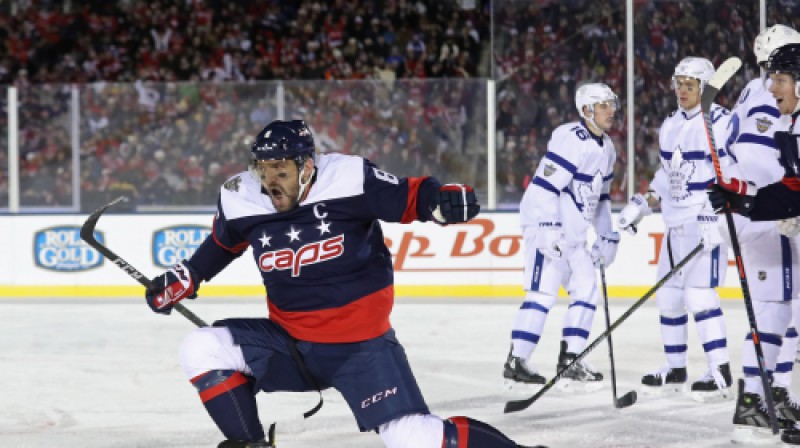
x=593 y=93
x=283 y=140
x=771 y=38
x=786 y=59
x=700 y=69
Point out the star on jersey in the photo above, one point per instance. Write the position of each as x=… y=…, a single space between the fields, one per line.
x=324 y=227
x=264 y=239
x=293 y=234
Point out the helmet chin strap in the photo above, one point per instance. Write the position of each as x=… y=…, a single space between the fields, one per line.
x=304 y=185
x=594 y=127
x=797 y=95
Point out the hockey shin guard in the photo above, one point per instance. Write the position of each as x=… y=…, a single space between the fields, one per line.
x=230 y=401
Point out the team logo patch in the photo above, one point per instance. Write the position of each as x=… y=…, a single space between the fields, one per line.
x=62 y=249
x=549 y=169
x=233 y=183
x=311 y=253
x=762 y=275
x=176 y=243
x=679 y=174
x=763 y=124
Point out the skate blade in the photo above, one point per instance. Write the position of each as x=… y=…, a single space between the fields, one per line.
x=751 y=435
x=714 y=396
x=572 y=386
x=667 y=390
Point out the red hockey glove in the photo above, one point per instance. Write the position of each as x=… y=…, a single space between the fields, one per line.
x=455 y=203
x=169 y=288
x=734 y=194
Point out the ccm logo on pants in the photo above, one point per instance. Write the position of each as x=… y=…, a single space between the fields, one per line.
x=378 y=397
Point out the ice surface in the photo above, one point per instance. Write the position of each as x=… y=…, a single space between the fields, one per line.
x=104 y=373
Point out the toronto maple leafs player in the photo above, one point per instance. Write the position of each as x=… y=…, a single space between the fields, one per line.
x=312 y=224
x=568 y=194
x=770 y=257
x=679 y=185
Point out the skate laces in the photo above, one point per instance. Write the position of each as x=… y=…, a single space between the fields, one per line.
x=662 y=373
x=714 y=374
x=585 y=366
x=790 y=400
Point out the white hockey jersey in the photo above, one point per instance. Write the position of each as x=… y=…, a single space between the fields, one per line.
x=686 y=167
x=750 y=144
x=572 y=183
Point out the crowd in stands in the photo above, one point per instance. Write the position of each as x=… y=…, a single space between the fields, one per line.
x=542 y=54
x=170 y=91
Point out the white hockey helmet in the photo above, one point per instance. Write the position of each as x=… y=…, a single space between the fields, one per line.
x=771 y=38
x=593 y=93
x=700 y=69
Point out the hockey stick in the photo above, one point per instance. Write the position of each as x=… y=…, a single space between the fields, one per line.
x=725 y=72
x=87 y=234
x=518 y=405
x=630 y=397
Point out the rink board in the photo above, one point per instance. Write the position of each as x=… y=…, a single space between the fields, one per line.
x=482 y=258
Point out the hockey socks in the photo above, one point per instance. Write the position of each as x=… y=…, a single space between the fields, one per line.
x=464 y=432
x=229 y=399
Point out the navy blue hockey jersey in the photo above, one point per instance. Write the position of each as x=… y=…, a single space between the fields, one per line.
x=325 y=265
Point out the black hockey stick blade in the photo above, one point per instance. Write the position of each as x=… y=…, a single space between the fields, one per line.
x=723 y=74
x=87 y=234
x=518 y=405
x=626 y=400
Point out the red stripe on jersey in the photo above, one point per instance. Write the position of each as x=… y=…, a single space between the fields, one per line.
x=235 y=380
x=241 y=247
x=792 y=182
x=411 y=203
x=366 y=318
x=462 y=425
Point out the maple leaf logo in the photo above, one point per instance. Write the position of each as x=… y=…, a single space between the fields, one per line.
x=589 y=195
x=679 y=173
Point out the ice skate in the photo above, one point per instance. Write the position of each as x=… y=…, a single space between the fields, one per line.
x=666 y=381
x=785 y=406
x=751 y=420
x=518 y=375
x=791 y=436
x=581 y=377
x=239 y=444
x=714 y=385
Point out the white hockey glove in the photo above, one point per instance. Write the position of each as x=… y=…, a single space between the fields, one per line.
x=630 y=216
x=550 y=240
x=710 y=234
x=604 y=249
x=789 y=227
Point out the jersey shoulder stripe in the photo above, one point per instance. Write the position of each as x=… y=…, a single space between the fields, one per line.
x=338 y=176
x=240 y=197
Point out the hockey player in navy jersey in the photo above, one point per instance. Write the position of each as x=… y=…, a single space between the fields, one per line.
x=312 y=223
x=568 y=194
x=679 y=186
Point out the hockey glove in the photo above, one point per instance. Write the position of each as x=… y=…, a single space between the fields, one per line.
x=733 y=194
x=789 y=227
x=455 y=203
x=169 y=288
x=710 y=234
x=551 y=240
x=630 y=216
x=604 y=249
